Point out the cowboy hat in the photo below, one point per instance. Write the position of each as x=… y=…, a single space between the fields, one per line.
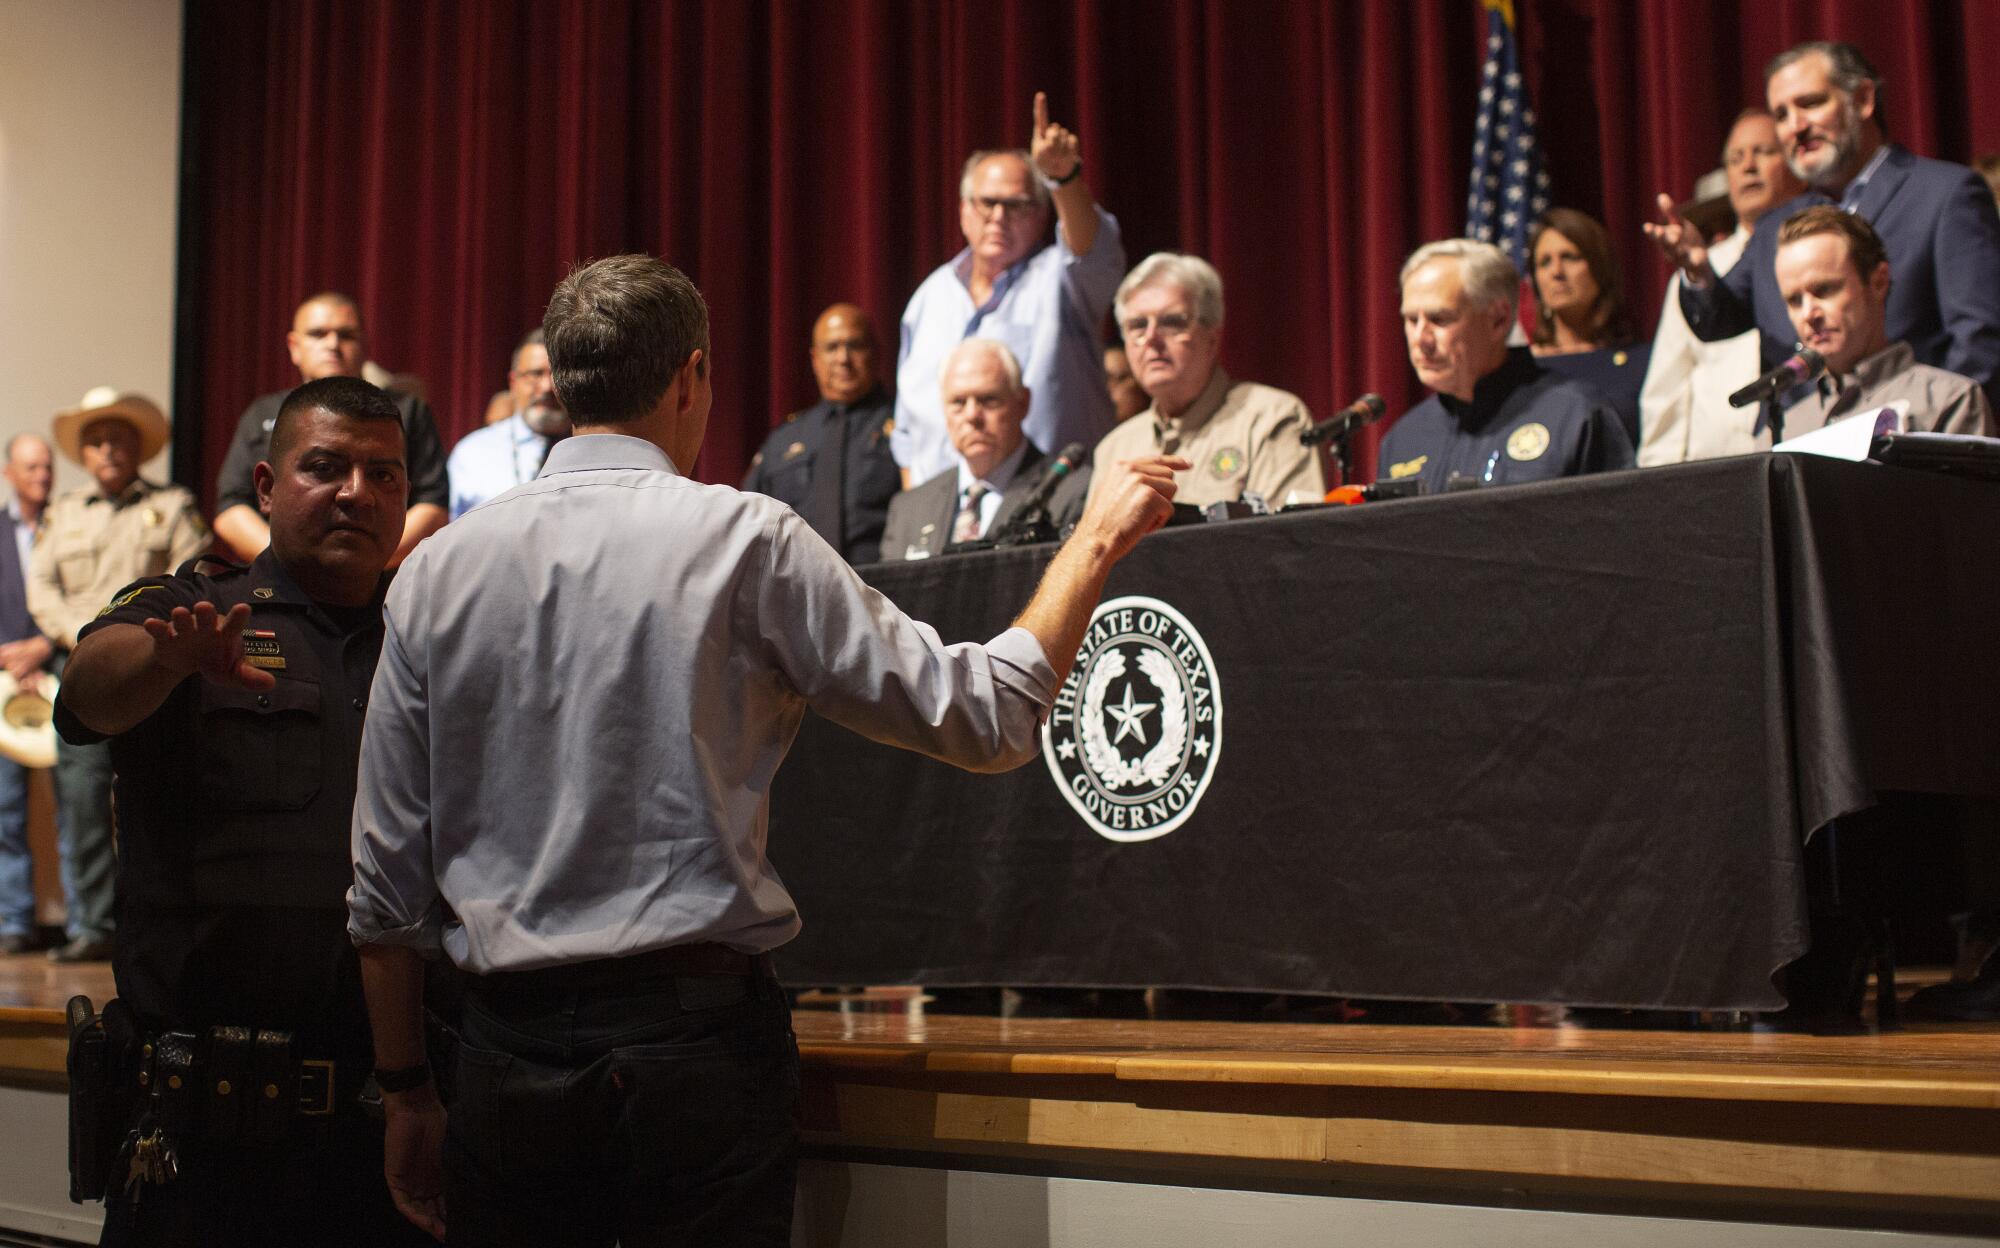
x=135 y=409
x=27 y=720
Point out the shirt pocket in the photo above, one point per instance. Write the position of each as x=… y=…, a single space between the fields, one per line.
x=76 y=564
x=261 y=748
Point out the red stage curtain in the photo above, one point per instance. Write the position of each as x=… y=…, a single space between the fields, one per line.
x=445 y=162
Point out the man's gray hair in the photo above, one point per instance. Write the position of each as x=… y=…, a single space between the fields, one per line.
x=1846 y=69
x=988 y=346
x=1489 y=276
x=1195 y=276
x=1035 y=184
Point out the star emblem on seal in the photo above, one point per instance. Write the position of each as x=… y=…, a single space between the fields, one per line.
x=1135 y=735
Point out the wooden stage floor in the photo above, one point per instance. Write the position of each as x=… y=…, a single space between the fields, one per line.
x=1896 y=1128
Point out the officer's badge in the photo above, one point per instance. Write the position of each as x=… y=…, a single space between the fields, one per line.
x=1528 y=441
x=1620 y=359
x=261 y=649
x=1408 y=468
x=1227 y=463
x=265 y=591
x=152 y=517
x=793 y=451
x=1136 y=731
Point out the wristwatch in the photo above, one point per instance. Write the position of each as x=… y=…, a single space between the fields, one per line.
x=405 y=1079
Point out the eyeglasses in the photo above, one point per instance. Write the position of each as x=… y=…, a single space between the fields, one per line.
x=985 y=204
x=1175 y=325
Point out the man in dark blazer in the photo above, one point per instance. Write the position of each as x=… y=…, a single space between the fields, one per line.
x=1936 y=219
x=24 y=653
x=998 y=468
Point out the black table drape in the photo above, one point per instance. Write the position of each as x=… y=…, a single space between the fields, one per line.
x=1562 y=742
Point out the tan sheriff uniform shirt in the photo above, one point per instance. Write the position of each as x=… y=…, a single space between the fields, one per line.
x=92 y=546
x=1940 y=402
x=1241 y=436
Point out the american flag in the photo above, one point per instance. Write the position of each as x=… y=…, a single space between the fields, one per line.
x=1509 y=187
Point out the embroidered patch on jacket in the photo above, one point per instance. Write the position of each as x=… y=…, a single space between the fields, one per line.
x=1408 y=468
x=1528 y=441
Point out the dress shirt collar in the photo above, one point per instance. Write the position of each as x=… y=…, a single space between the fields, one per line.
x=1850 y=197
x=1491 y=392
x=996 y=481
x=519 y=430
x=590 y=452
x=961 y=267
x=1200 y=412
x=872 y=398
x=14 y=512
x=1894 y=359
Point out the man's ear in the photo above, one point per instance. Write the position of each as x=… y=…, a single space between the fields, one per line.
x=263 y=476
x=1864 y=100
x=689 y=374
x=1878 y=281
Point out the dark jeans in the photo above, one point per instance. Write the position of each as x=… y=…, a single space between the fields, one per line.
x=593 y=1107
x=324 y=1192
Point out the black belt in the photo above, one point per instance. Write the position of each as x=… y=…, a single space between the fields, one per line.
x=239 y=1083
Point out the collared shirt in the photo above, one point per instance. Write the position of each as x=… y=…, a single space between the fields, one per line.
x=1851 y=197
x=488 y=462
x=586 y=687
x=1524 y=423
x=1940 y=401
x=1240 y=435
x=1684 y=411
x=996 y=481
x=1047 y=310
x=792 y=463
x=24 y=533
x=233 y=813
x=92 y=546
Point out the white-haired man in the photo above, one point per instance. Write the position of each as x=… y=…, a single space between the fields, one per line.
x=1044 y=300
x=1241 y=437
x=985 y=402
x=1495 y=417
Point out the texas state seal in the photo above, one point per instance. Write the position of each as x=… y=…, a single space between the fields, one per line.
x=1136 y=731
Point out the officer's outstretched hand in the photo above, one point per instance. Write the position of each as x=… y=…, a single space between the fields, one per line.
x=202 y=641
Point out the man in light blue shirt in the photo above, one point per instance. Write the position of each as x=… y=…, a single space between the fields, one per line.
x=1044 y=300
x=488 y=462
x=586 y=687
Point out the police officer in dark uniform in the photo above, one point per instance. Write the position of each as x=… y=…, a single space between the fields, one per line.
x=831 y=462
x=233 y=698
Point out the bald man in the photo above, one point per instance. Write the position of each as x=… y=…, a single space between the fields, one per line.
x=831 y=463
x=327 y=339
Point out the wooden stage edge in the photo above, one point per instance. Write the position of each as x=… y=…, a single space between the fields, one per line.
x=1896 y=1129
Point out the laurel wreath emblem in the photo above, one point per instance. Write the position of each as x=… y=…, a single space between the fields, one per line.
x=1156 y=764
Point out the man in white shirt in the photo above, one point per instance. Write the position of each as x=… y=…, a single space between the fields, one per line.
x=1684 y=410
x=489 y=461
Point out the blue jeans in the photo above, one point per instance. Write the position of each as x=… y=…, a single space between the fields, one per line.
x=663 y=1110
x=83 y=822
x=17 y=871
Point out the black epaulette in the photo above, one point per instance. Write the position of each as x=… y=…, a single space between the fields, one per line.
x=210 y=565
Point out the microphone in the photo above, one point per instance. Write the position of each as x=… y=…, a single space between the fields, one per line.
x=1800 y=369
x=1359 y=414
x=1033 y=511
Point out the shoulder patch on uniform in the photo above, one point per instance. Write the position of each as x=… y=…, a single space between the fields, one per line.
x=1408 y=468
x=126 y=598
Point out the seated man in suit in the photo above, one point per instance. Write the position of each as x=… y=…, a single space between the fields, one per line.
x=1497 y=418
x=1835 y=277
x=998 y=468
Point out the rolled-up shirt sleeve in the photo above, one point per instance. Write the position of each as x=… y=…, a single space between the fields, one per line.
x=394 y=899
x=857 y=659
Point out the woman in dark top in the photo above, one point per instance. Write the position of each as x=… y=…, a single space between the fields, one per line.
x=1581 y=326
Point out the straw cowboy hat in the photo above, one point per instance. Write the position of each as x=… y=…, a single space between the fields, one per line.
x=27 y=727
x=135 y=409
